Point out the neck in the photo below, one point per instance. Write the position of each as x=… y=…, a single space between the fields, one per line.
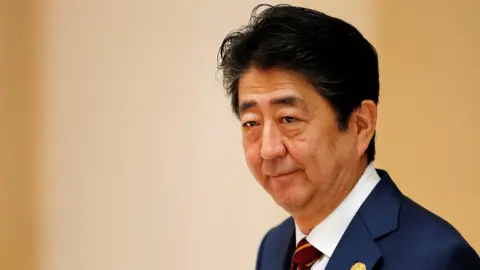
x=325 y=202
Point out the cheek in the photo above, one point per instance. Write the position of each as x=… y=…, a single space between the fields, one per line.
x=299 y=149
x=347 y=146
x=307 y=146
x=315 y=152
x=302 y=152
x=253 y=158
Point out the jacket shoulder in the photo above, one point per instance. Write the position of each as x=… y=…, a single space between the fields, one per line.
x=281 y=230
x=424 y=238
x=425 y=225
x=452 y=256
x=277 y=244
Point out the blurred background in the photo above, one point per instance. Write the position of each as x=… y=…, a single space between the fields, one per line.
x=118 y=149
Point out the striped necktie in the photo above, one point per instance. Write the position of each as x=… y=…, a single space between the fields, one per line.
x=305 y=256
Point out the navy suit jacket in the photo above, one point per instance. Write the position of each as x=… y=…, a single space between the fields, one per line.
x=389 y=231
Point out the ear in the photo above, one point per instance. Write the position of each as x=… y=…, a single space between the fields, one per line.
x=365 y=122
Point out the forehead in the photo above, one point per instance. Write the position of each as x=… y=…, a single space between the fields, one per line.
x=270 y=83
x=274 y=87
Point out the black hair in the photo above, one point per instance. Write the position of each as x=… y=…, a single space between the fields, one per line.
x=328 y=52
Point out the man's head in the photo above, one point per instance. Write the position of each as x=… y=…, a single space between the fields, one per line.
x=305 y=87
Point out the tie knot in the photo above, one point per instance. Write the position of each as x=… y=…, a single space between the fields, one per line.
x=305 y=255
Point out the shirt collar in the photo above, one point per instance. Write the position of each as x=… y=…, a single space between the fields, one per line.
x=327 y=234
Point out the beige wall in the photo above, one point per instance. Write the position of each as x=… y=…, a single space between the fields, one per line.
x=18 y=95
x=144 y=168
x=429 y=127
x=140 y=158
x=143 y=158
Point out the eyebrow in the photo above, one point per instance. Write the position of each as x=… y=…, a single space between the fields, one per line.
x=292 y=101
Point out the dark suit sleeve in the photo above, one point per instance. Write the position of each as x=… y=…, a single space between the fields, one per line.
x=260 y=254
x=455 y=256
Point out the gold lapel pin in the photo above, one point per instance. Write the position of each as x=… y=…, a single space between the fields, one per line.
x=359 y=266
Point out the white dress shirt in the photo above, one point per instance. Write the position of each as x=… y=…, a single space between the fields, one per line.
x=326 y=235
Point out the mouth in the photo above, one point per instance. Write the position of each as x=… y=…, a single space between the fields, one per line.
x=282 y=176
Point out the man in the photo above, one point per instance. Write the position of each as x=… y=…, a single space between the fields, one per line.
x=305 y=87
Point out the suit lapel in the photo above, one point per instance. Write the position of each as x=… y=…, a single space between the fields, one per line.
x=356 y=246
x=377 y=217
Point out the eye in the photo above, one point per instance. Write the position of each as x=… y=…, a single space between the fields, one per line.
x=249 y=124
x=288 y=119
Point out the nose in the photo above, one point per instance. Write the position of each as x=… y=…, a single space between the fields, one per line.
x=272 y=144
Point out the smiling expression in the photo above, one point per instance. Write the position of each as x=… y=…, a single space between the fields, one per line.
x=291 y=138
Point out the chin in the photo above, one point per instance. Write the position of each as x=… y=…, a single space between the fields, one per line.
x=291 y=200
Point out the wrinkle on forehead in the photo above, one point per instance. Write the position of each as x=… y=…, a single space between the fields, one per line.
x=263 y=96
x=261 y=87
x=280 y=98
x=257 y=80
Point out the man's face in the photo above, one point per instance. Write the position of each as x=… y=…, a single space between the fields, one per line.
x=292 y=142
